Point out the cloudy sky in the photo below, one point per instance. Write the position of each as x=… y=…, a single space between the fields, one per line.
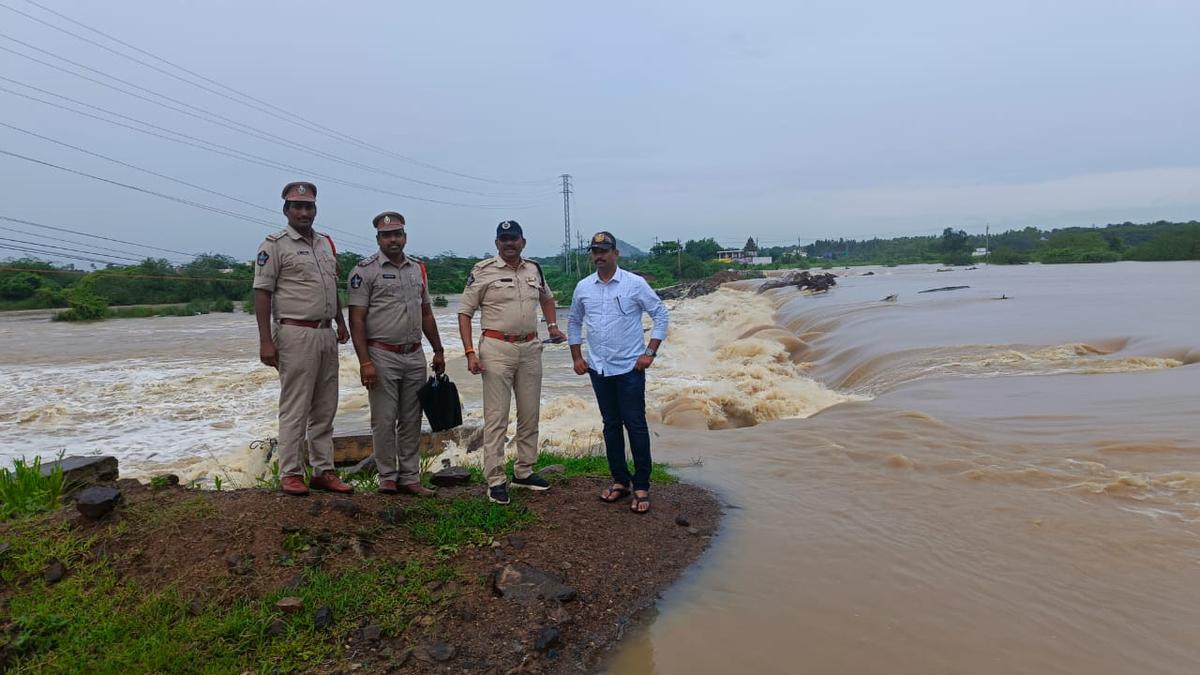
x=787 y=121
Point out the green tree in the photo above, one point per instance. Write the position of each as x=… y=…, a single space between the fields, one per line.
x=20 y=286
x=663 y=248
x=702 y=249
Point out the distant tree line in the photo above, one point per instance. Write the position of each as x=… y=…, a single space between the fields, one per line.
x=1161 y=240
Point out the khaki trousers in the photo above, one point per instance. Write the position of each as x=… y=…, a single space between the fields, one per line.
x=308 y=397
x=396 y=414
x=510 y=367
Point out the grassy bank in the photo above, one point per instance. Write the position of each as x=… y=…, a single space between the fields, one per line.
x=183 y=581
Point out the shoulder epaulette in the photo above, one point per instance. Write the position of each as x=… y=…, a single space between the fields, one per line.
x=368 y=260
x=276 y=236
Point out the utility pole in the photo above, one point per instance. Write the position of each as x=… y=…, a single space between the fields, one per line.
x=566 y=193
x=987 y=242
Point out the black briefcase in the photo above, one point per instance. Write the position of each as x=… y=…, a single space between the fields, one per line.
x=439 y=400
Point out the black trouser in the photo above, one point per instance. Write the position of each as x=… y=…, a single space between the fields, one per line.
x=622 y=400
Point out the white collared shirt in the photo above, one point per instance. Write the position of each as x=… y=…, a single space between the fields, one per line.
x=612 y=311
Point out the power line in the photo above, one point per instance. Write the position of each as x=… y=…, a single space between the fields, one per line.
x=221 y=120
x=123 y=275
x=179 y=200
x=309 y=123
x=55 y=254
x=48 y=245
x=199 y=143
x=95 y=236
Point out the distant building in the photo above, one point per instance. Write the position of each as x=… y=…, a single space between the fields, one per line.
x=744 y=257
x=979 y=252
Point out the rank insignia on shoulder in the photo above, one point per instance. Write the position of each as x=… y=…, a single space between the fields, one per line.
x=263 y=257
x=470 y=278
x=355 y=281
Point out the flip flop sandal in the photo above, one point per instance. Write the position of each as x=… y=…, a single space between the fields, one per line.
x=614 y=494
x=633 y=506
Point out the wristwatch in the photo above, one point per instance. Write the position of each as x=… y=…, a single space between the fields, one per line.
x=650 y=352
x=551 y=325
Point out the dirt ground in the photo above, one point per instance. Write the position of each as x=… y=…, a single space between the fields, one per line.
x=219 y=547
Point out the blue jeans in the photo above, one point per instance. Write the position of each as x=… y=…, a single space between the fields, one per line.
x=622 y=400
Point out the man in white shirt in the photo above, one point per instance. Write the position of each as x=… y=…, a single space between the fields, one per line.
x=610 y=302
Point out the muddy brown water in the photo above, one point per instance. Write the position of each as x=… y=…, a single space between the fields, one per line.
x=947 y=483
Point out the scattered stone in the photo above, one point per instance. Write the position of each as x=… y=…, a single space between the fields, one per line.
x=97 y=501
x=80 y=472
x=433 y=586
x=276 y=628
x=172 y=479
x=517 y=542
x=234 y=559
x=559 y=614
x=437 y=651
x=682 y=521
x=290 y=529
x=55 y=571
x=553 y=470
x=345 y=506
x=427 y=620
x=290 y=604
x=695 y=289
x=546 y=638
x=450 y=588
x=371 y=633
x=129 y=485
x=692 y=530
x=496 y=544
x=314 y=509
x=196 y=608
x=323 y=619
x=451 y=476
x=525 y=584
x=4 y=546
x=943 y=288
x=400 y=579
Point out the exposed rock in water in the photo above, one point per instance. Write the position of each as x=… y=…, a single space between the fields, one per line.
x=943 y=288
x=695 y=289
x=803 y=280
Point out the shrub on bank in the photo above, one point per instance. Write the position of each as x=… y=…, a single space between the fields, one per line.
x=25 y=490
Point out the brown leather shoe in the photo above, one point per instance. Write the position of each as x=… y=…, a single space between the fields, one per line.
x=417 y=489
x=293 y=485
x=387 y=487
x=330 y=482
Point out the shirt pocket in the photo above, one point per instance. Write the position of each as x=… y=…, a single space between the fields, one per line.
x=503 y=290
x=299 y=265
x=626 y=305
x=532 y=288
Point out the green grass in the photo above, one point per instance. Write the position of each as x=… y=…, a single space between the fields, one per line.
x=594 y=465
x=24 y=490
x=462 y=521
x=95 y=622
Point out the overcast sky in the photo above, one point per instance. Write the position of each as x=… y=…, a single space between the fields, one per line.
x=783 y=120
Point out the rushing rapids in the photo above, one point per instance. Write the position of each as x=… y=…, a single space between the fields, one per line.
x=941 y=483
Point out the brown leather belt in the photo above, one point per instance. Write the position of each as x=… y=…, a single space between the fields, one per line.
x=307 y=324
x=488 y=332
x=399 y=349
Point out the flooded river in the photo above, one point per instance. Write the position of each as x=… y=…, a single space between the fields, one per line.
x=949 y=482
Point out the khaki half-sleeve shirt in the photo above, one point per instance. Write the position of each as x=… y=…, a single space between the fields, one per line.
x=301 y=275
x=393 y=295
x=508 y=298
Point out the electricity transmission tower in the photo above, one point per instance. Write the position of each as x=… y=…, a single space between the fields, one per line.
x=566 y=193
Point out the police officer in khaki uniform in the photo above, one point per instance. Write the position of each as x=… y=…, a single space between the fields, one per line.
x=295 y=282
x=508 y=289
x=389 y=309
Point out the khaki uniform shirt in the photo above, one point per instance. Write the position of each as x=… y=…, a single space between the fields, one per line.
x=393 y=295
x=507 y=297
x=301 y=276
